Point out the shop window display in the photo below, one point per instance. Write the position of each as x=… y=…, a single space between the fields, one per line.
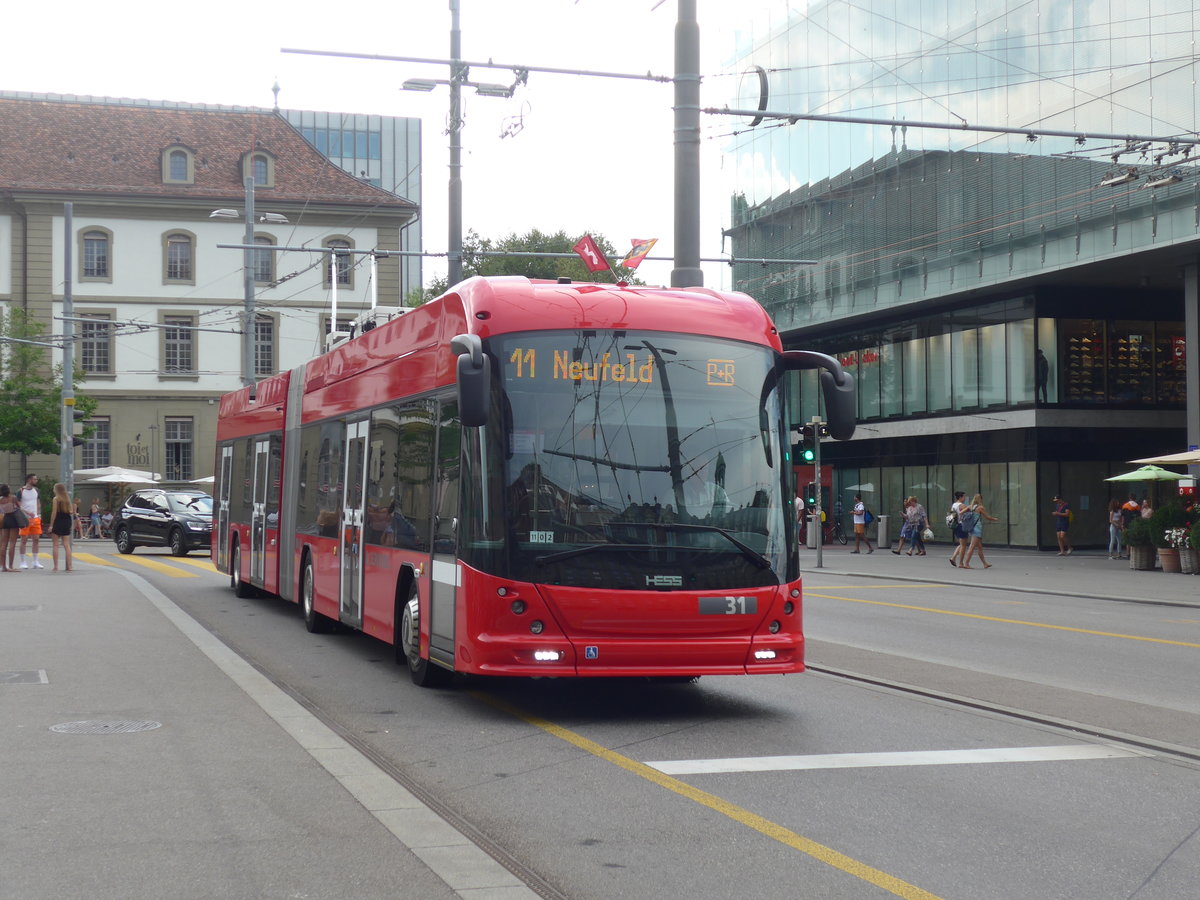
x=1083 y=360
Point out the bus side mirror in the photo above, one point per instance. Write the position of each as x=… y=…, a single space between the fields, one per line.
x=837 y=389
x=474 y=380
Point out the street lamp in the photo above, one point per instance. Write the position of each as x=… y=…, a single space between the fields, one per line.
x=248 y=323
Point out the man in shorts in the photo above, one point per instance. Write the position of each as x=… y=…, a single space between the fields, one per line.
x=860 y=525
x=31 y=505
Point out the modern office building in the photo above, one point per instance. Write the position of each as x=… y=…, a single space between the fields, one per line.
x=1056 y=216
x=158 y=302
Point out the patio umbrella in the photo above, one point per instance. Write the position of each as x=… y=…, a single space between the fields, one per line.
x=208 y=479
x=867 y=486
x=1187 y=457
x=127 y=476
x=1148 y=473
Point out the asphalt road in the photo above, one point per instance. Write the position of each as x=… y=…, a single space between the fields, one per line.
x=793 y=786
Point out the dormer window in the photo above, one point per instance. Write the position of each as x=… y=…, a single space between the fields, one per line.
x=178 y=165
x=260 y=166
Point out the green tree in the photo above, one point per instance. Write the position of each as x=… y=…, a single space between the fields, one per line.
x=30 y=403
x=478 y=261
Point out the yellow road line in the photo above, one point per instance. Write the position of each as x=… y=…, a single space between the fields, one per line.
x=199 y=562
x=161 y=567
x=820 y=852
x=94 y=560
x=965 y=615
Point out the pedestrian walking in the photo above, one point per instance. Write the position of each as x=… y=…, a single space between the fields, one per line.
x=905 y=529
x=31 y=504
x=62 y=520
x=955 y=525
x=972 y=520
x=8 y=529
x=860 y=525
x=1116 y=526
x=914 y=527
x=1062 y=524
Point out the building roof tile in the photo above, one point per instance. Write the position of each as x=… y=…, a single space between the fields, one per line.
x=70 y=147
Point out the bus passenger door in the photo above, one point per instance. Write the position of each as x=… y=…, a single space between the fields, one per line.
x=350 y=549
x=445 y=535
x=258 y=510
x=222 y=525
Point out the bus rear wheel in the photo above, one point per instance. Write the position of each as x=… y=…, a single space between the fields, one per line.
x=240 y=588
x=313 y=620
x=408 y=645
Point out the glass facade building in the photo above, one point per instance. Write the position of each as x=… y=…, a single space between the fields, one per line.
x=1013 y=292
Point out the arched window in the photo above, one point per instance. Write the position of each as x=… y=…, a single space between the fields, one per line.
x=178 y=165
x=95 y=255
x=260 y=166
x=343 y=261
x=179 y=257
x=264 y=260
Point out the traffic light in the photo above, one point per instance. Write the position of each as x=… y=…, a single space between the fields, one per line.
x=810 y=495
x=808 y=443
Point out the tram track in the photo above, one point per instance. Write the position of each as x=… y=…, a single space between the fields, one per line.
x=1190 y=755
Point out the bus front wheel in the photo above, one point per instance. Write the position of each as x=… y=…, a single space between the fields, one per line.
x=408 y=645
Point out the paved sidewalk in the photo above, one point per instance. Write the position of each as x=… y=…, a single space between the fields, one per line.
x=144 y=759
x=1085 y=573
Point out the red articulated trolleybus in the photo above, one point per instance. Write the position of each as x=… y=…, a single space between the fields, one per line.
x=533 y=478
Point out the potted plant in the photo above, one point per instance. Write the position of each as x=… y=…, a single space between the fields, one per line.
x=1168 y=528
x=1189 y=559
x=1141 y=547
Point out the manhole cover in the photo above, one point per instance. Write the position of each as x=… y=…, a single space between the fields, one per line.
x=118 y=726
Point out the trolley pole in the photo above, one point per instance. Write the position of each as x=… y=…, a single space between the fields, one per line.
x=819 y=532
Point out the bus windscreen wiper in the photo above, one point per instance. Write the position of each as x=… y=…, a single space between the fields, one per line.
x=749 y=552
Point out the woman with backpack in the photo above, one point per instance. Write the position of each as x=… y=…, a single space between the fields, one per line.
x=972 y=522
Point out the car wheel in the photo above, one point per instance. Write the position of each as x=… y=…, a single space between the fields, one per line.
x=177 y=542
x=240 y=588
x=313 y=620
x=408 y=645
x=124 y=540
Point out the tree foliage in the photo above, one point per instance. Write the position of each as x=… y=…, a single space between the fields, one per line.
x=30 y=389
x=477 y=260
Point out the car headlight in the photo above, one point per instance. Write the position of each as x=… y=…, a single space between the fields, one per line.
x=199 y=526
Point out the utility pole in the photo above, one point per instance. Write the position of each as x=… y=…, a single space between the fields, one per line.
x=454 y=268
x=818 y=531
x=248 y=379
x=687 y=271
x=66 y=457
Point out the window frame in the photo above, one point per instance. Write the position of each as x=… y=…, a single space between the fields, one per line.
x=249 y=168
x=168 y=239
x=179 y=449
x=267 y=240
x=329 y=243
x=81 y=243
x=96 y=450
x=106 y=316
x=190 y=320
x=190 y=156
x=271 y=350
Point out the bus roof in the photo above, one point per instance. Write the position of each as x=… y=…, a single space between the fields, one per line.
x=494 y=305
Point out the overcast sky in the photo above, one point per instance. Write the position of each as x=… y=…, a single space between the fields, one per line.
x=589 y=154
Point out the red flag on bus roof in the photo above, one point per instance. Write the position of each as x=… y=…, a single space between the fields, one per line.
x=590 y=253
x=641 y=249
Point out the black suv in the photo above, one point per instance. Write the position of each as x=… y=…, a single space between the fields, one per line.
x=157 y=517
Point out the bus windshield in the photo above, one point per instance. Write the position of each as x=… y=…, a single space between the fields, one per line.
x=642 y=461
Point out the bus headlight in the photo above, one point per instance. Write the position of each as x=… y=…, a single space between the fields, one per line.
x=536 y=626
x=764 y=654
x=547 y=655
